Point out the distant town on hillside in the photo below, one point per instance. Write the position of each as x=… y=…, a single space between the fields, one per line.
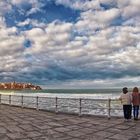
x=18 y=86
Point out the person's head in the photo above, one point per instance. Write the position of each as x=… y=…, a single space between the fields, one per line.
x=125 y=90
x=135 y=89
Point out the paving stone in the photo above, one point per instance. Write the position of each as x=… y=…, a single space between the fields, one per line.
x=73 y=127
x=33 y=134
x=14 y=136
x=58 y=135
x=13 y=128
x=42 y=126
x=93 y=137
x=62 y=129
x=76 y=139
x=24 y=122
x=104 y=134
x=54 y=124
x=64 y=138
x=75 y=133
x=98 y=127
x=2 y=123
x=3 y=130
x=4 y=138
x=27 y=127
x=122 y=127
x=86 y=124
x=122 y=137
x=86 y=130
x=43 y=138
x=114 y=130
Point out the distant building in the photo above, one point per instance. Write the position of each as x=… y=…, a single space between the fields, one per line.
x=18 y=86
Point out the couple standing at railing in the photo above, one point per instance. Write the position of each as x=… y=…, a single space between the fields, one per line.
x=130 y=100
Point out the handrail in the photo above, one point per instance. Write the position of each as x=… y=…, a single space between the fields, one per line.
x=59 y=104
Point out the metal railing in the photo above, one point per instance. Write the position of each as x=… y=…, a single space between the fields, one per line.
x=80 y=106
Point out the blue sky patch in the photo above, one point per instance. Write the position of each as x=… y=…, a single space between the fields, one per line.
x=117 y=22
x=27 y=43
x=49 y=12
x=107 y=6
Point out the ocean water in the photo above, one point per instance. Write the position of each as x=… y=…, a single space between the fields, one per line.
x=70 y=93
x=94 y=101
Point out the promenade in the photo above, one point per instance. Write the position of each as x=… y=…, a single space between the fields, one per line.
x=27 y=124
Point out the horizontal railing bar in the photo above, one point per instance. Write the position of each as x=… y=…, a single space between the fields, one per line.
x=72 y=98
x=94 y=108
x=68 y=98
x=82 y=107
x=61 y=98
x=16 y=95
x=4 y=99
x=69 y=106
x=14 y=101
x=116 y=109
x=28 y=96
x=46 y=97
x=29 y=103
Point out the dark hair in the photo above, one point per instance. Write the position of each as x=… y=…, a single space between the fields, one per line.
x=135 y=89
x=125 y=90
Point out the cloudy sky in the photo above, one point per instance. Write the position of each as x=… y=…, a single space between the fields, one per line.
x=70 y=43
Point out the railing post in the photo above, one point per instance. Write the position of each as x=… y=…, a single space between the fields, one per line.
x=56 y=105
x=9 y=99
x=80 y=107
x=22 y=101
x=0 y=98
x=109 y=108
x=37 y=103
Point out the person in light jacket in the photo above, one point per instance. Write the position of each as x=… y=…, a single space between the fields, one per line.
x=126 y=100
x=136 y=102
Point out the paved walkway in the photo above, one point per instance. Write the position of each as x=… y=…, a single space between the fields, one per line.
x=27 y=124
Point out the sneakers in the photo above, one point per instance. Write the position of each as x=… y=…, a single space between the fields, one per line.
x=127 y=120
x=136 y=119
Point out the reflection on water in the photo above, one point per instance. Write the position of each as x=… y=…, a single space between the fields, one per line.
x=7 y=92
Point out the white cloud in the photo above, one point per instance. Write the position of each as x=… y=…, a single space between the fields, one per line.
x=36 y=5
x=2 y=22
x=122 y=3
x=17 y=2
x=4 y=7
x=81 y=5
x=33 y=10
x=107 y=16
x=26 y=22
x=131 y=11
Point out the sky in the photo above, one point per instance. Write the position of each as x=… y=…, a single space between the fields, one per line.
x=70 y=43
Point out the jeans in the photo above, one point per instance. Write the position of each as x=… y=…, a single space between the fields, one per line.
x=136 y=111
x=127 y=110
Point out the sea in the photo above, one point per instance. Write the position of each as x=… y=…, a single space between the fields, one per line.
x=94 y=101
x=69 y=93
